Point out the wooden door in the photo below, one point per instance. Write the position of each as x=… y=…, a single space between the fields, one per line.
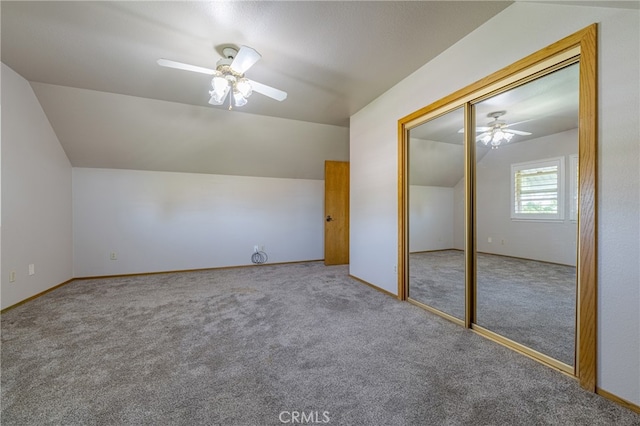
x=336 y=212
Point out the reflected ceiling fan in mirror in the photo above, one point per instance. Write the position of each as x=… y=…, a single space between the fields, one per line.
x=497 y=131
x=229 y=77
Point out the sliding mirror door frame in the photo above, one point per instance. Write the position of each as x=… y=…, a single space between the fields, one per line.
x=550 y=325
x=579 y=47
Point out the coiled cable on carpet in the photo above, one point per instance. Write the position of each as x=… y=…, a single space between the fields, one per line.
x=259 y=257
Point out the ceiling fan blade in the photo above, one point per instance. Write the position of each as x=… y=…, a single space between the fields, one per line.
x=186 y=67
x=269 y=91
x=479 y=137
x=245 y=59
x=478 y=129
x=518 y=122
x=516 y=132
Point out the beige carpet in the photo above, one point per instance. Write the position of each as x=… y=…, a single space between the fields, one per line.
x=253 y=346
x=530 y=302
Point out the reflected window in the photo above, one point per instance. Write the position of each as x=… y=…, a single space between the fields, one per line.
x=537 y=189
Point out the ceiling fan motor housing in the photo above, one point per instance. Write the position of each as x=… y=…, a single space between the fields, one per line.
x=228 y=53
x=497 y=114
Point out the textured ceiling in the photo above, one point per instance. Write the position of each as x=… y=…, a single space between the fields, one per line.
x=93 y=67
x=332 y=58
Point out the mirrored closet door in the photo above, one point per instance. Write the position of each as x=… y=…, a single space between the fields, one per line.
x=497 y=199
x=436 y=196
x=526 y=213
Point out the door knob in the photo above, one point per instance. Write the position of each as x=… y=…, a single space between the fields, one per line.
x=329 y=218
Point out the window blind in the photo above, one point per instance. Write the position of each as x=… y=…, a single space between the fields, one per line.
x=536 y=190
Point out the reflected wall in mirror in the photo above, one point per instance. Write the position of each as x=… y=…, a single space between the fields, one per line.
x=526 y=213
x=436 y=214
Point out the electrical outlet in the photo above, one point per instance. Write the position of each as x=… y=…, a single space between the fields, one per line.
x=502 y=242
x=395 y=268
x=32 y=269
x=12 y=276
x=489 y=240
x=113 y=255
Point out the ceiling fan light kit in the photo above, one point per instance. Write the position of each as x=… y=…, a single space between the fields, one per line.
x=497 y=131
x=229 y=77
x=226 y=80
x=495 y=138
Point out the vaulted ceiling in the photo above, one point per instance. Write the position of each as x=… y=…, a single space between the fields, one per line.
x=331 y=57
x=93 y=68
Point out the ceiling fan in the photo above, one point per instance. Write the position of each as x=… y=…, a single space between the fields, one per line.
x=497 y=131
x=229 y=77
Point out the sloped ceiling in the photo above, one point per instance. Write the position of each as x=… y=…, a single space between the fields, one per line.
x=93 y=67
x=106 y=130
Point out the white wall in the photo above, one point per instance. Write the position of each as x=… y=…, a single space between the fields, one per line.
x=36 y=196
x=538 y=240
x=163 y=221
x=430 y=218
x=520 y=30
